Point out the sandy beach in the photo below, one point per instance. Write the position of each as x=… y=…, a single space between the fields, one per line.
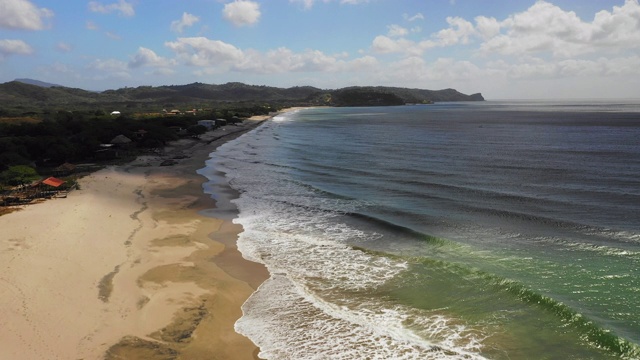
x=126 y=267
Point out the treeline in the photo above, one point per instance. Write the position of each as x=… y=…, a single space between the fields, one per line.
x=76 y=137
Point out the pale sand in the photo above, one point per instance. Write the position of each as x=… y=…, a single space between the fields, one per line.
x=126 y=267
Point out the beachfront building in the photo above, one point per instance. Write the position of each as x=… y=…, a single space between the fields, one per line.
x=209 y=124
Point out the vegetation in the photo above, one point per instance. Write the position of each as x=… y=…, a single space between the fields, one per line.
x=79 y=136
x=44 y=125
x=365 y=97
x=19 y=99
x=19 y=175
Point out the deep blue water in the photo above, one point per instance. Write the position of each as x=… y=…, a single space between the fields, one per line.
x=502 y=230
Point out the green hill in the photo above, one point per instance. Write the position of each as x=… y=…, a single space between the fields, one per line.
x=16 y=96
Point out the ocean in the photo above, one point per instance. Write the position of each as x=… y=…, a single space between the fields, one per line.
x=480 y=230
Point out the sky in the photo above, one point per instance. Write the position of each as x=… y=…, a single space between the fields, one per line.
x=504 y=49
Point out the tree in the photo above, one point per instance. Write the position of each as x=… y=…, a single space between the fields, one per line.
x=196 y=130
x=19 y=175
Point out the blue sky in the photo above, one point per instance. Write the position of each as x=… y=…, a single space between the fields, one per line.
x=515 y=49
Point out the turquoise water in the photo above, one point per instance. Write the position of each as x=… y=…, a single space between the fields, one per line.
x=501 y=230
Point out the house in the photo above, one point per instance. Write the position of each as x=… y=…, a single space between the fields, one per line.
x=121 y=141
x=48 y=187
x=209 y=124
x=140 y=134
x=64 y=169
x=119 y=145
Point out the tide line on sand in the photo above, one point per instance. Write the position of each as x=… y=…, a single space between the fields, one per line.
x=127 y=267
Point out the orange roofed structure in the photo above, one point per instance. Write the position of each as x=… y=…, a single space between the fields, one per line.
x=52 y=181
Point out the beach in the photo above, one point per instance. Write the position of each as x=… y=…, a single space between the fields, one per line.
x=128 y=266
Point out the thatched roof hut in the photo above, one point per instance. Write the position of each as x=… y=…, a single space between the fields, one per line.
x=120 y=140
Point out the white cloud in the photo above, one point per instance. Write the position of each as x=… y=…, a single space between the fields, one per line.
x=283 y=60
x=14 y=47
x=445 y=71
x=386 y=45
x=538 y=68
x=242 y=12
x=215 y=57
x=308 y=4
x=396 y=31
x=362 y=64
x=122 y=7
x=109 y=65
x=147 y=57
x=487 y=27
x=58 y=68
x=113 y=36
x=108 y=69
x=354 y=2
x=163 y=71
x=460 y=31
x=413 y=18
x=621 y=27
x=64 y=47
x=186 y=21
x=276 y=61
x=90 y=25
x=23 y=15
x=200 y=51
x=546 y=28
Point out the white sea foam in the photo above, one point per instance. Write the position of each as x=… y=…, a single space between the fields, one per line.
x=320 y=302
x=289 y=324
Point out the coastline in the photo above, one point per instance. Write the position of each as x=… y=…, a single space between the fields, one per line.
x=128 y=267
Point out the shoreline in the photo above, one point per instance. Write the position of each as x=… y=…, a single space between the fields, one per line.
x=128 y=267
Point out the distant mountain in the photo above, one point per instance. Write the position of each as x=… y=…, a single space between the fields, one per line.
x=232 y=91
x=37 y=83
x=17 y=93
x=21 y=94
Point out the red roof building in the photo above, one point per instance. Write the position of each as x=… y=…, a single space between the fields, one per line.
x=52 y=181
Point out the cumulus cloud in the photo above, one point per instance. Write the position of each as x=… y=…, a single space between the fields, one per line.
x=412 y=18
x=459 y=31
x=200 y=51
x=108 y=68
x=147 y=57
x=63 y=46
x=284 y=60
x=546 y=28
x=14 y=47
x=215 y=56
x=185 y=21
x=108 y=65
x=397 y=30
x=308 y=4
x=113 y=36
x=90 y=25
x=487 y=27
x=23 y=15
x=543 y=29
x=242 y=12
x=122 y=7
x=538 y=68
x=386 y=45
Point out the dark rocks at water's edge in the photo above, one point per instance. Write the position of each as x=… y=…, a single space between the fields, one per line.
x=29 y=93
